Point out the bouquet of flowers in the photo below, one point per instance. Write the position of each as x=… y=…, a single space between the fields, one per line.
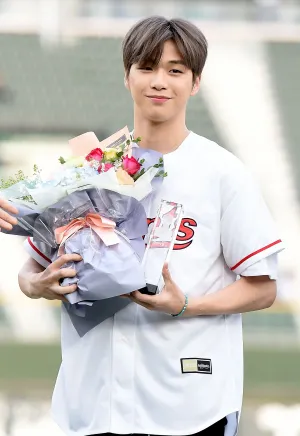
x=92 y=206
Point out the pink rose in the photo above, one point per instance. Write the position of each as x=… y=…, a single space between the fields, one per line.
x=96 y=154
x=105 y=167
x=108 y=166
x=131 y=165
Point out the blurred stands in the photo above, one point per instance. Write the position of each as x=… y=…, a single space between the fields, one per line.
x=284 y=65
x=72 y=89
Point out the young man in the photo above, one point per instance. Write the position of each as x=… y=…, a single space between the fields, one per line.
x=144 y=371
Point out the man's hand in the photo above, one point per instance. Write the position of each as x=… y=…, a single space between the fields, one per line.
x=6 y=220
x=171 y=299
x=46 y=283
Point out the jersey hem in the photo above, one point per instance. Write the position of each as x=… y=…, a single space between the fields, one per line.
x=88 y=432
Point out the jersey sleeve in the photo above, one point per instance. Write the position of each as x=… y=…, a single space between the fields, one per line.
x=40 y=252
x=248 y=231
x=264 y=267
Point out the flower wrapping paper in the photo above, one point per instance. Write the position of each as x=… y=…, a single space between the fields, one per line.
x=105 y=273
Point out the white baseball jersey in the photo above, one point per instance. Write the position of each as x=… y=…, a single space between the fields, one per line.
x=148 y=372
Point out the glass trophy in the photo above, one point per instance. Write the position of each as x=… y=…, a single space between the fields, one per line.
x=160 y=245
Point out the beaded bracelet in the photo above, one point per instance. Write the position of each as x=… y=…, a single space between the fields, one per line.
x=184 y=307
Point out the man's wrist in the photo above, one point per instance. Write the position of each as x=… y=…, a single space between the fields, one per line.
x=183 y=307
x=33 y=286
x=30 y=288
x=193 y=307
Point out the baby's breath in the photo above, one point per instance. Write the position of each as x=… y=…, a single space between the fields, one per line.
x=20 y=177
x=12 y=180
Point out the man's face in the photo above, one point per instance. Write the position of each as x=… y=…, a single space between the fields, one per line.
x=161 y=93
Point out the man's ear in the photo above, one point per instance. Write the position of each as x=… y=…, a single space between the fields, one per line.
x=196 y=86
x=126 y=81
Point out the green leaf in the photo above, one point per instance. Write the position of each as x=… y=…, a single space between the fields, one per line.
x=156 y=166
x=161 y=174
x=161 y=160
x=128 y=142
x=139 y=174
x=36 y=170
x=19 y=177
x=142 y=161
x=62 y=160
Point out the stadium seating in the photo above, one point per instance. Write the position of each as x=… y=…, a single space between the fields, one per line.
x=72 y=89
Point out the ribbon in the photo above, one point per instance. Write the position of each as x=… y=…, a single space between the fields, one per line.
x=103 y=227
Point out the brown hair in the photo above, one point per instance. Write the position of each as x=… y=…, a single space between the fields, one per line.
x=144 y=43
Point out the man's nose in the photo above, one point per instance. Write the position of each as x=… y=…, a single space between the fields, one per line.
x=159 y=79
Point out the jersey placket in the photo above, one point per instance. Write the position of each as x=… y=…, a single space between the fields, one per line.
x=123 y=371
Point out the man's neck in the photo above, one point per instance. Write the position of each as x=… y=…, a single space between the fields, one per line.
x=163 y=137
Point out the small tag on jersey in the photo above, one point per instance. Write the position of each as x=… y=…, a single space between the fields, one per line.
x=200 y=366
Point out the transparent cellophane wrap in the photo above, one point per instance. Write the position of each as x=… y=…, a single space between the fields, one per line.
x=160 y=244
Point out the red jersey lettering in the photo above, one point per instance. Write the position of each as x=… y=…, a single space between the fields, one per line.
x=185 y=232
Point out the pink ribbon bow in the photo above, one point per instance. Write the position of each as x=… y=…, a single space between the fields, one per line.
x=102 y=226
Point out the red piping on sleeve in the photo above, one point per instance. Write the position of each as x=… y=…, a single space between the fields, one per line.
x=38 y=251
x=254 y=253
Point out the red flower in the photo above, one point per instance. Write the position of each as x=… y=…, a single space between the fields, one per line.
x=131 y=165
x=105 y=167
x=96 y=154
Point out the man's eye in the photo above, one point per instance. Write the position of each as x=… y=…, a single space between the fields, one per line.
x=176 y=71
x=145 y=68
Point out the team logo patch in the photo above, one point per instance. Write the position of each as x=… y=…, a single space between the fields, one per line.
x=185 y=233
x=195 y=365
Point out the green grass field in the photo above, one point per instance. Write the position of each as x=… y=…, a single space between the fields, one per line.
x=270 y=375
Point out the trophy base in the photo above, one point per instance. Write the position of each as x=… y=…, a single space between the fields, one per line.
x=149 y=289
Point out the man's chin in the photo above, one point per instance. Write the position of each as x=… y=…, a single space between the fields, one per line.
x=158 y=118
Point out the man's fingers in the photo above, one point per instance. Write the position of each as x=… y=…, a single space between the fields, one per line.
x=6 y=205
x=4 y=225
x=144 y=298
x=65 y=258
x=136 y=300
x=55 y=296
x=62 y=290
x=166 y=274
x=65 y=273
x=6 y=220
x=60 y=298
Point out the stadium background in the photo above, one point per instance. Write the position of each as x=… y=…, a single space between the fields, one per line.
x=61 y=75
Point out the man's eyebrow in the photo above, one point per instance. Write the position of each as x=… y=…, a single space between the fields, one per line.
x=177 y=62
